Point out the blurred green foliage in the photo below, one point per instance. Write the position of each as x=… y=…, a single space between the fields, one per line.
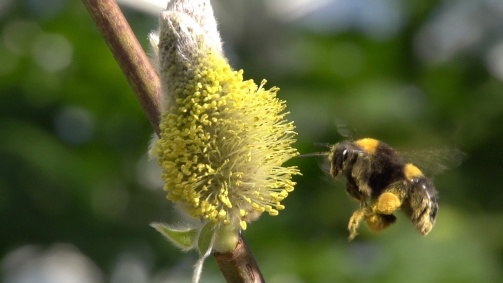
x=73 y=165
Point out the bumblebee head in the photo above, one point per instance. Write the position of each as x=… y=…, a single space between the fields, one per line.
x=342 y=156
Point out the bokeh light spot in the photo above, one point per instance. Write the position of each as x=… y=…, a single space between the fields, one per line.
x=52 y=52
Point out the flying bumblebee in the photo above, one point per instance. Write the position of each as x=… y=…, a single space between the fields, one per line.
x=383 y=182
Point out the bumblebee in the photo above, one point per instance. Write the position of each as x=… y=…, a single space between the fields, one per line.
x=378 y=177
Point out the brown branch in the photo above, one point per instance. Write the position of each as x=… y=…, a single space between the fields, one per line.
x=129 y=54
x=237 y=266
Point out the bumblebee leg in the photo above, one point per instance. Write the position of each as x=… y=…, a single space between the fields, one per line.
x=354 y=191
x=379 y=222
x=354 y=223
x=375 y=221
x=387 y=203
x=365 y=190
x=361 y=172
x=391 y=199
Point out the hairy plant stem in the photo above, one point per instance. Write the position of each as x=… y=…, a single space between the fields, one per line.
x=236 y=266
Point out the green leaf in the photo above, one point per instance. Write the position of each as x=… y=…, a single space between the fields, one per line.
x=183 y=238
x=205 y=240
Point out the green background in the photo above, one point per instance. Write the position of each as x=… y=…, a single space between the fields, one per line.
x=77 y=191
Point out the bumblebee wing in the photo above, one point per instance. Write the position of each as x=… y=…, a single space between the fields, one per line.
x=324 y=165
x=421 y=205
x=435 y=160
x=321 y=159
x=343 y=129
